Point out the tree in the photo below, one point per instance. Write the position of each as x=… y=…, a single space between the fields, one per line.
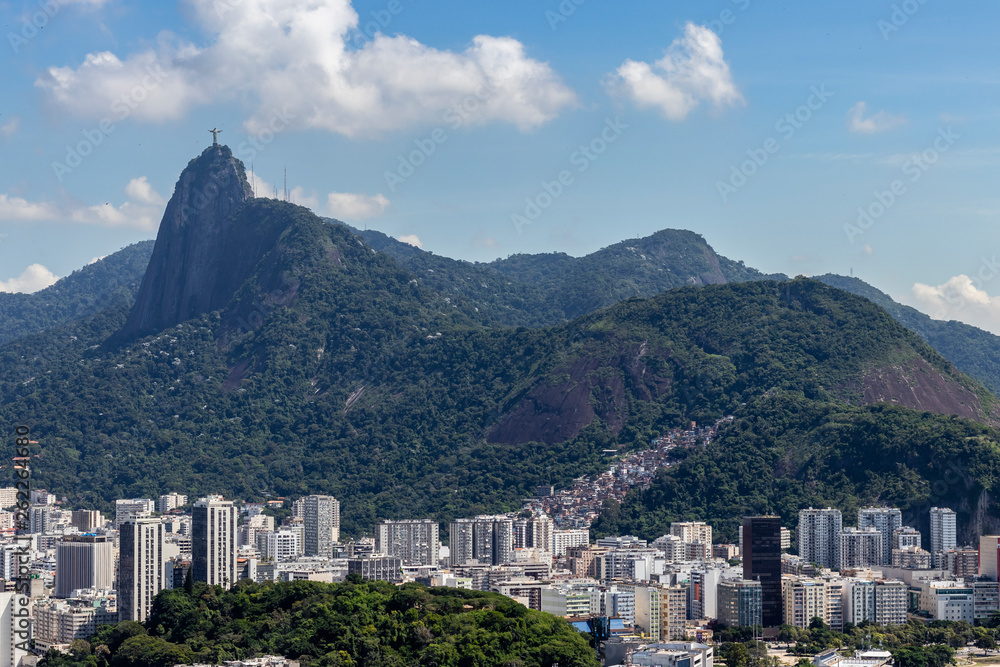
x=986 y=643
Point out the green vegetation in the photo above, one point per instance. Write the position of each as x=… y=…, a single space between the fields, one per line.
x=914 y=644
x=787 y=452
x=357 y=623
x=106 y=283
x=332 y=370
x=547 y=289
x=972 y=350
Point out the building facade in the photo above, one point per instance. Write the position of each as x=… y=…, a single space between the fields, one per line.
x=84 y=561
x=415 y=542
x=140 y=567
x=819 y=536
x=213 y=541
x=321 y=520
x=762 y=562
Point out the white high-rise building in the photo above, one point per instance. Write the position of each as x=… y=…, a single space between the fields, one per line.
x=486 y=539
x=905 y=537
x=692 y=531
x=15 y=628
x=415 y=542
x=860 y=548
x=819 y=536
x=943 y=530
x=213 y=541
x=171 y=501
x=563 y=540
x=536 y=532
x=132 y=508
x=321 y=517
x=885 y=520
x=84 y=561
x=140 y=567
x=279 y=546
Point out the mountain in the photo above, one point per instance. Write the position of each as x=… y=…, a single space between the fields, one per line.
x=311 y=362
x=193 y=269
x=107 y=282
x=972 y=350
x=547 y=289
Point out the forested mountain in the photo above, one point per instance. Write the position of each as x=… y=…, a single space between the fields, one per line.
x=315 y=364
x=107 y=282
x=972 y=350
x=548 y=289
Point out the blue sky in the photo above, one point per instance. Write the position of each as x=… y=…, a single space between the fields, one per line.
x=654 y=114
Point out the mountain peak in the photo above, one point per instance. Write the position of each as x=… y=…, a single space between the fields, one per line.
x=194 y=268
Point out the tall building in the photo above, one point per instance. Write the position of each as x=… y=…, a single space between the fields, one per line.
x=904 y=537
x=279 y=546
x=692 y=531
x=86 y=521
x=213 y=541
x=762 y=562
x=132 y=508
x=943 y=530
x=535 y=532
x=860 y=548
x=805 y=599
x=885 y=520
x=819 y=536
x=84 y=561
x=673 y=612
x=739 y=603
x=414 y=542
x=140 y=567
x=171 y=501
x=486 y=539
x=15 y=630
x=989 y=548
x=321 y=517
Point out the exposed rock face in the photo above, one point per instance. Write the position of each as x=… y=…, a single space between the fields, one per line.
x=202 y=254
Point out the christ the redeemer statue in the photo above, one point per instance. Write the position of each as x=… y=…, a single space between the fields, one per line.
x=215 y=136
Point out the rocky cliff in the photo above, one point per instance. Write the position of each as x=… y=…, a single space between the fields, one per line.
x=193 y=269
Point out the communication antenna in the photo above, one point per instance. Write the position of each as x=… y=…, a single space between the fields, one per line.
x=253 y=190
x=286 y=183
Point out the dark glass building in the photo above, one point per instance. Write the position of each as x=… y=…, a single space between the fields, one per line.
x=762 y=562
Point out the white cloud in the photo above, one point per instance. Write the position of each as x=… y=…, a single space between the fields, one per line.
x=34 y=278
x=959 y=299
x=16 y=209
x=10 y=127
x=413 y=240
x=139 y=190
x=297 y=195
x=298 y=58
x=350 y=206
x=95 y=260
x=693 y=71
x=143 y=210
x=879 y=122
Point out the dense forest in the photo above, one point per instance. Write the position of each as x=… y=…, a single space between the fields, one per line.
x=354 y=624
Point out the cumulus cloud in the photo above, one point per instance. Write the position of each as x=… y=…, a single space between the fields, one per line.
x=302 y=59
x=32 y=279
x=9 y=128
x=143 y=209
x=412 y=239
x=139 y=190
x=351 y=206
x=693 y=71
x=959 y=299
x=879 y=122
